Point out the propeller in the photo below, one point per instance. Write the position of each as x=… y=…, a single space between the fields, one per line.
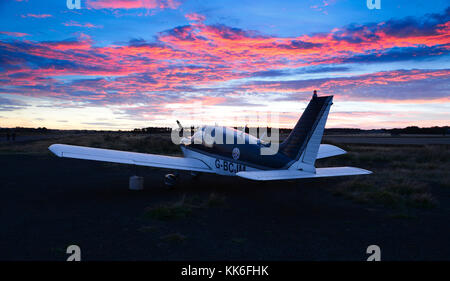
x=179 y=125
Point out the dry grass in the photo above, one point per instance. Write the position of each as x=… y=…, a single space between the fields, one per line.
x=172 y=210
x=215 y=199
x=154 y=143
x=183 y=207
x=238 y=240
x=403 y=176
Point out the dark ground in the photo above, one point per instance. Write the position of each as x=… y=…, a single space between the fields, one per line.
x=48 y=203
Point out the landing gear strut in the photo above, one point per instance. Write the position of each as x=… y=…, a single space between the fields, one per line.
x=195 y=175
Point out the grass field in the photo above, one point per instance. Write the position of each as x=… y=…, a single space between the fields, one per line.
x=403 y=175
x=156 y=143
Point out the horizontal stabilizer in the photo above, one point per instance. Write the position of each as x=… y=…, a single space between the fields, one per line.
x=125 y=157
x=328 y=150
x=296 y=174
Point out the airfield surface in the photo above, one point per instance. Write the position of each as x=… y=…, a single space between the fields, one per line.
x=48 y=203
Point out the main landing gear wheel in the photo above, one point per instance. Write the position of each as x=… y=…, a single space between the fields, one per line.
x=171 y=180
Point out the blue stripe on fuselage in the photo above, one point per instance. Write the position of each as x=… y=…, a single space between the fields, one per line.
x=250 y=154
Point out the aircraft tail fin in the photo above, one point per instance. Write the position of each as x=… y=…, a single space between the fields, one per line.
x=302 y=144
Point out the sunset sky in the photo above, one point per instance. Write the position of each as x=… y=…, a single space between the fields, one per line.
x=128 y=64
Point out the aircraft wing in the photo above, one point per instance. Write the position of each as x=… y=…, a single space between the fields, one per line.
x=328 y=150
x=125 y=157
x=296 y=174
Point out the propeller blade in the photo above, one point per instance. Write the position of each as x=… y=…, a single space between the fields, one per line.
x=179 y=124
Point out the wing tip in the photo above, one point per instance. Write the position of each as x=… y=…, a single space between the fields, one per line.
x=338 y=150
x=362 y=171
x=55 y=149
x=245 y=175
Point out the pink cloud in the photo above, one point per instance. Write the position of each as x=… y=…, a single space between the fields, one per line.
x=38 y=16
x=322 y=7
x=77 y=24
x=195 y=17
x=384 y=85
x=14 y=34
x=133 y=4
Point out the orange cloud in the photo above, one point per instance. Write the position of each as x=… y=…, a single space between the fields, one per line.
x=200 y=59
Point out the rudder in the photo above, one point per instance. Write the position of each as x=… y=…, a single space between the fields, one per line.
x=302 y=144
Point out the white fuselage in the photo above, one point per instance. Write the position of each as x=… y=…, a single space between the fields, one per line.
x=218 y=164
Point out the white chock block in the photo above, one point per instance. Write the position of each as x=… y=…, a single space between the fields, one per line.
x=136 y=183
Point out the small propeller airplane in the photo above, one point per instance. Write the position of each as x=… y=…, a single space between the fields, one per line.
x=294 y=158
